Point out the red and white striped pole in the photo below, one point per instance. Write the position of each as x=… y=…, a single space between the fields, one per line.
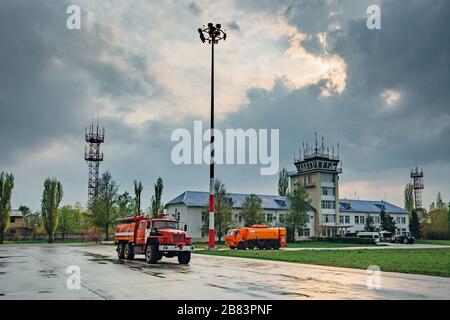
x=211 y=165
x=212 y=34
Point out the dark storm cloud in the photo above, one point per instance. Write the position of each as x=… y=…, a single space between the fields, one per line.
x=403 y=56
x=50 y=72
x=233 y=26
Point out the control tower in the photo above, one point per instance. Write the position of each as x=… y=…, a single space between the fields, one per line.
x=318 y=172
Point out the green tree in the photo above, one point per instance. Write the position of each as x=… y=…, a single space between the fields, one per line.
x=435 y=224
x=297 y=216
x=223 y=207
x=51 y=198
x=439 y=203
x=368 y=226
x=70 y=220
x=414 y=225
x=6 y=187
x=104 y=210
x=34 y=222
x=283 y=182
x=124 y=202
x=387 y=222
x=156 y=205
x=409 y=198
x=138 y=187
x=24 y=210
x=252 y=211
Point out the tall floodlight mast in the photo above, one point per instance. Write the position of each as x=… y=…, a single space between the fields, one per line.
x=212 y=34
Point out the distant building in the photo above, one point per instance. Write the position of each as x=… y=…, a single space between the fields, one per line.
x=187 y=209
x=355 y=213
x=16 y=224
x=317 y=170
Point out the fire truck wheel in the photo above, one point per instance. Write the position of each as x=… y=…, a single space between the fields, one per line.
x=276 y=245
x=240 y=246
x=152 y=253
x=269 y=245
x=184 y=257
x=120 y=250
x=129 y=251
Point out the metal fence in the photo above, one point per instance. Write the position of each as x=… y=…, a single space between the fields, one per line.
x=58 y=237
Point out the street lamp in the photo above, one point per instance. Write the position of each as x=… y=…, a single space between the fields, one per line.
x=212 y=34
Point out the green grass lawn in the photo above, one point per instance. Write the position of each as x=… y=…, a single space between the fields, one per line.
x=202 y=245
x=419 y=261
x=438 y=242
x=324 y=244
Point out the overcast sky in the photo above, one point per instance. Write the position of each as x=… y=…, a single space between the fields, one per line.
x=299 y=66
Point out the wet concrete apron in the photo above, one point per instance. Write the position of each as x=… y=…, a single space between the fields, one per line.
x=39 y=272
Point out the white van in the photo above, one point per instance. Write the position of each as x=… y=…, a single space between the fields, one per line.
x=371 y=235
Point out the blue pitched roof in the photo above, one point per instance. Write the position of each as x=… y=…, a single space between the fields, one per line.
x=368 y=206
x=200 y=199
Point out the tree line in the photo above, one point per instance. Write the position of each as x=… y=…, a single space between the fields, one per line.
x=100 y=215
x=428 y=224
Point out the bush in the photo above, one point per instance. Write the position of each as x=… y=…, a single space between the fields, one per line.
x=345 y=240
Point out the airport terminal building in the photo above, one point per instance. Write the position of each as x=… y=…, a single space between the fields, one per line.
x=317 y=170
x=188 y=209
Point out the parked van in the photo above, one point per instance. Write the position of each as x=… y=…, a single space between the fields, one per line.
x=371 y=235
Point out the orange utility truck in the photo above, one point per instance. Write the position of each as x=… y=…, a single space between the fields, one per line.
x=256 y=236
x=154 y=237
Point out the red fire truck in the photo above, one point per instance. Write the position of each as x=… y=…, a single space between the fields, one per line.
x=154 y=237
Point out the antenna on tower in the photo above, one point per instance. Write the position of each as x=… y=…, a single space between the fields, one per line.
x=93 y=156
x=315 y=134
x=417 y=185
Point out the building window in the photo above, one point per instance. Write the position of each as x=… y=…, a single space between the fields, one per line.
x=329 y=218
x=376 y=220
x=341 y=219
x=326 y=204
x=12 y=219
x=185 y=227
x=204 y=216
x=357 y=219
x=326 y=191
x=397 y=219
x=304 y=232
x=281 y=217
x=327 y=177
x=347 y=219
x=362 y=219
x=269 y=217
x=403 y=220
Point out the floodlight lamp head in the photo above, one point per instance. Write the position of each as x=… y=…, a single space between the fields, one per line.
x=218 y=26
x=210 y=25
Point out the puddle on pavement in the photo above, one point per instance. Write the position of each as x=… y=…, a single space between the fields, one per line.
x=48 y=273
x=45 y=291
x=139 y=264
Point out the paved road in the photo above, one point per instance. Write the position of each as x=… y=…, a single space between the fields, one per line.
x=39 y=272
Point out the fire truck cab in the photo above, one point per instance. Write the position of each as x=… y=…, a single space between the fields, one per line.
x=154 y=237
